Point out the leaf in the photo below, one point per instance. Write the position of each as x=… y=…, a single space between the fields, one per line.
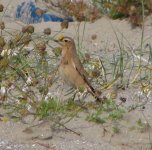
x=4 y=119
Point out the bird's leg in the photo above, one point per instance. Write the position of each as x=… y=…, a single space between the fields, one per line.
x=73 y=92
x=70 y=91
x=74 y=95
x=62 y=90
x=80 y=101
x=84 y=94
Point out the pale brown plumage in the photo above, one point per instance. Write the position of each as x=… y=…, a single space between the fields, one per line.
x=71 y=68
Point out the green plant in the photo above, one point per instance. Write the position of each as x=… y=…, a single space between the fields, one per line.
x=116 y=129
x=53 y=108
x=106 y=112
x=141 y=126
x=49 y=108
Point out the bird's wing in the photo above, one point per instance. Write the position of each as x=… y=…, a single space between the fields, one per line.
x=79 y=65
x=83 y=75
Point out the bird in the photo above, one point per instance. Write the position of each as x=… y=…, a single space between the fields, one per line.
x=71 y=68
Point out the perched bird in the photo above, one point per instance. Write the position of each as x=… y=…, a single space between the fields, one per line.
x=71 y=68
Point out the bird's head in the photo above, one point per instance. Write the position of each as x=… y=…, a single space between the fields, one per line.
x=67 y=44
x=65 y=41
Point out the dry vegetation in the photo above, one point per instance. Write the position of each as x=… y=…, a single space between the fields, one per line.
x=116 y=9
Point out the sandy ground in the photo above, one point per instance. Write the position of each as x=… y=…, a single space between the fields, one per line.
x=92 y=135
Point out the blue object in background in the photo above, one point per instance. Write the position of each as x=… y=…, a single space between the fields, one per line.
x=26 y=12
x=48 y=17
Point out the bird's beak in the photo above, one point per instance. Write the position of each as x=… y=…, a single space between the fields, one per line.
x=59 y=40
x=56 y=40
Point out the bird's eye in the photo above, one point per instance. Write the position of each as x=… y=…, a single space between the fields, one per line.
x=65 y=40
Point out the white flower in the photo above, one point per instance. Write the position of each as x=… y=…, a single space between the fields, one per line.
x=11 y=88
x=29 y=48
x=29 y=80
x=17 y=101
x=46 y=98
x=14 y=54
x=49 y=95
x=29 y=107
x=3 y=91
x=95 y=44
x=6 y=52
x=139 y=93
x=25 y=88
